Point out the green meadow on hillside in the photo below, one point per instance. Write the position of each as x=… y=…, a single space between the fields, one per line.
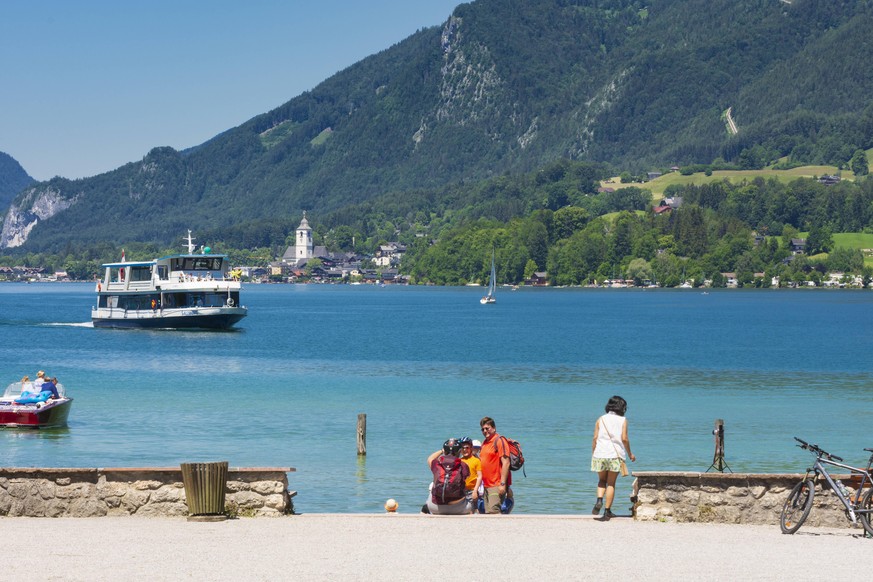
x=849 y=240
x=857 y=240
x=660 y=184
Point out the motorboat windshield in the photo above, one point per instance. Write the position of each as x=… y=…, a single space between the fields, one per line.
x=15 y=389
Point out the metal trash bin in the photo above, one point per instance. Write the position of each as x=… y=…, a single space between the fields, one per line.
x=205 y=485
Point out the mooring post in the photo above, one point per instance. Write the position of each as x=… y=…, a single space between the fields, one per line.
x=362 y=434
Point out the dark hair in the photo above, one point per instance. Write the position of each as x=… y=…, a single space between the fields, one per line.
x=487 y=420
x=617 y=404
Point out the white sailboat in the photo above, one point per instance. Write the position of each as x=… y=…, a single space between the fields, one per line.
x=492 y=285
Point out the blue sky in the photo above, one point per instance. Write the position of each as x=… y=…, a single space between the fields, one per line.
x=90 y=85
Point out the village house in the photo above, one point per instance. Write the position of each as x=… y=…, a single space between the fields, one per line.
x=668 y=204
x=797 y=246
x=538 y=279
x=389 y=254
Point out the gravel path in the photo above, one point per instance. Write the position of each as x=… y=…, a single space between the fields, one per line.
x=415 y=547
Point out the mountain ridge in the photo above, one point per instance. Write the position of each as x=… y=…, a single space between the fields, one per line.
x=13 y=179
x=502 y=86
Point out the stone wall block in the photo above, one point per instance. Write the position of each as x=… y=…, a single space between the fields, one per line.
x=712 y=499
x=33 y=505
x=646 y=513
x=108 y=489
x=87 y=507
x=729 y=498
x=758 y=491
x=247 y=500
x=5 y=504
x=267 y=487
x=46 y=489
x=236 y=485
x=135 y=499
x=111 y=502
x=55 y=508
x=76 y=490
x=18 y=489
x=738 y=491
x=276 y=502
x=169 y=493
x=152 y=492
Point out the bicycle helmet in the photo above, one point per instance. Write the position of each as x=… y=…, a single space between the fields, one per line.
x=452 y=447
x=465 y=441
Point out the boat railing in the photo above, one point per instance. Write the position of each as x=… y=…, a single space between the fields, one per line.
x=184 y=277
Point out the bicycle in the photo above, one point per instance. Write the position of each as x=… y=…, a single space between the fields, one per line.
x=799 y=503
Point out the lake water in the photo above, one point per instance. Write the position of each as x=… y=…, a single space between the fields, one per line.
x=425 y=364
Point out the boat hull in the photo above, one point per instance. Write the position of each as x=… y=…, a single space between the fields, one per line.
x=49 y=416
x=221 y=318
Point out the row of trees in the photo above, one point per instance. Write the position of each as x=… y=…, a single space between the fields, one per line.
x=744 y=228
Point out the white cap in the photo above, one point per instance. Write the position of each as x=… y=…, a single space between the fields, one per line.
x=477 y=444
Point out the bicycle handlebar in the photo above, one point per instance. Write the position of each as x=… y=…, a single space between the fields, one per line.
x=817 y=450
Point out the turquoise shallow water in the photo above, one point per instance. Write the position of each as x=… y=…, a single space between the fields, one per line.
x=427 y=363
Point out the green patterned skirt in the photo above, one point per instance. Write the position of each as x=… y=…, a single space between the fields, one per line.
x=598 y=465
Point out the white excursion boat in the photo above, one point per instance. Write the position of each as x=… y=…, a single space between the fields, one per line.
x=188 y=291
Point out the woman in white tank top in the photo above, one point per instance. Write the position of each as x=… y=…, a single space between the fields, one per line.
x=609 y=447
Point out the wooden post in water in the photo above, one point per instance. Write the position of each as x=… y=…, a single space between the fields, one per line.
x=362 y=434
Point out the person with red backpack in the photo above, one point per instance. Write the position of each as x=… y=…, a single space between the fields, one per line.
x=450 y=473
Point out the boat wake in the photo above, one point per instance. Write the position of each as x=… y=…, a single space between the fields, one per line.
x=59 y=324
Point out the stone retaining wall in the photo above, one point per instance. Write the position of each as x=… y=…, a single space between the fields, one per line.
x=141 y=491
x=729 y=498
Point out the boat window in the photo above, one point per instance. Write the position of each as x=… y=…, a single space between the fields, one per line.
x=141 y=273
x=202 y=264
x=162 y=272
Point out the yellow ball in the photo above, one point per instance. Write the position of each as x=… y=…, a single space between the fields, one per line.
x=390 y=506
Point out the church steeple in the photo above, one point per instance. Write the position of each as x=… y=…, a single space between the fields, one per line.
x=304 y=239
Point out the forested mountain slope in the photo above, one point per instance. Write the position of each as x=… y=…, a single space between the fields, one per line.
x=503 y=86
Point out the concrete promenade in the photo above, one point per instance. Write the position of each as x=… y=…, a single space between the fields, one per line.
x=416 y=547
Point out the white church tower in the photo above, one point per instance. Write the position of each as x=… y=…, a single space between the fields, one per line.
x=304 y=239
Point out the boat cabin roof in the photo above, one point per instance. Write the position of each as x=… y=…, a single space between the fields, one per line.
x=168 y=257
x=129 y=264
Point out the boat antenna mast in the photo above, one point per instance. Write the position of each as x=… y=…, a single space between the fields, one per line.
x=191 y=245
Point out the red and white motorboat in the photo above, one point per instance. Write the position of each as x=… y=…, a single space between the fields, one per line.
x=48 y=414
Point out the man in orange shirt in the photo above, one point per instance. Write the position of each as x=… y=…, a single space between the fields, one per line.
x=495 y=469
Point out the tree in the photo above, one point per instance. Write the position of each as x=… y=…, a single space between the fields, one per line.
x=845 y=260
x=858 y=164
x=639 y=270
x=529 y=269
x=568 y=220
x=820 y=240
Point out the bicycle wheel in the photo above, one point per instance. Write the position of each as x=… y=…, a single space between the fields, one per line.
x=797 y=506
x=866 y=518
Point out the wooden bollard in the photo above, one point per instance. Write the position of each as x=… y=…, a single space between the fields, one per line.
x=362 y=434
